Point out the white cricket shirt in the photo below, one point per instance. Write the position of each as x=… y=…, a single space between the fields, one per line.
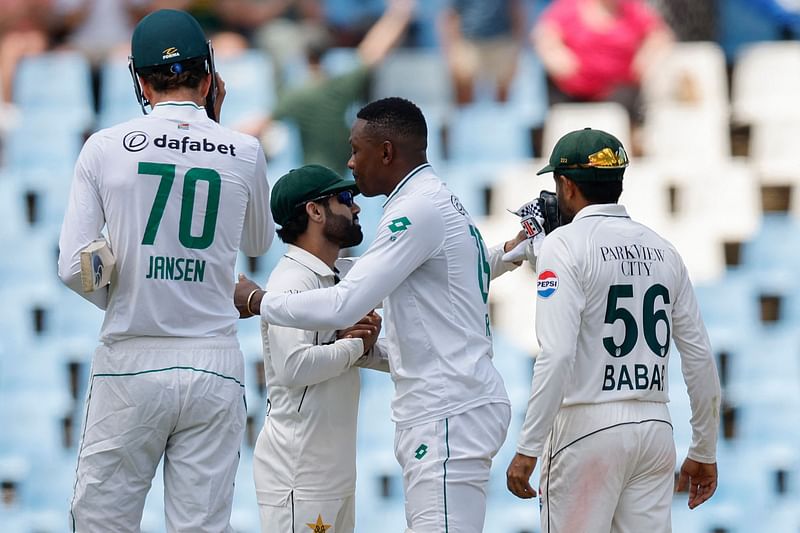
x=611 y=295
x=179 y=195
x=307 y=446
x=430 y=267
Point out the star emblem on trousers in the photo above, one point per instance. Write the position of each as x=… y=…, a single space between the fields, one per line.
x=319 y=526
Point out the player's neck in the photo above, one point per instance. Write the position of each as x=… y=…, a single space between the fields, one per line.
x=320 y=247
x=178 y=95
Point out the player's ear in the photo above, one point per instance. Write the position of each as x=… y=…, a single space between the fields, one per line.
x=315 y=212
x=388 y=152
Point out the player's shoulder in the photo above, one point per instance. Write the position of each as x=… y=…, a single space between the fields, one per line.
x=291 y=276
x=243 y=139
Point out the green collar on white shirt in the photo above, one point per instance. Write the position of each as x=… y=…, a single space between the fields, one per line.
x=181 y=110
x=602 y=210
x=308 y=260
x=403 y=181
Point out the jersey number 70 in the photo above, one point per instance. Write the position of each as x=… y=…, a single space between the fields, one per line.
x=193 y=175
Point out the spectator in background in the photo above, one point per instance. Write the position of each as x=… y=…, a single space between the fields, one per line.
x=597 y=50
x=282 y=28
x=99 y=28
x=481 y=39
x=319 y=107
x=23 y=32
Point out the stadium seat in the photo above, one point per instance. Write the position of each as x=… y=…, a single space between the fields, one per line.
x=53 y=90
x=516 y=185
x=685 y=134
x=564 y=118
x=693 y=73
x=742 y=23
x=117 y=98
x=338 y=61
x=774 y=146
x=250 y=85
x=765 y=83
x=418 y=75
x=528 y=91
x=488 y=132
x=775 y=249
x=31 y=148
x=13 y=207
x=722 y=198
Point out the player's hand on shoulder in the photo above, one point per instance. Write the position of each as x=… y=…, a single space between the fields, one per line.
x=699 y=479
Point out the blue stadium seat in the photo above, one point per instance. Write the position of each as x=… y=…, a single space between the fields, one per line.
x=418 y=75
x=53 y=90
x=250 y=85
x=742 y=22
x=528 y=92
x=31 y=148
x=488 y=132
x=117 y=98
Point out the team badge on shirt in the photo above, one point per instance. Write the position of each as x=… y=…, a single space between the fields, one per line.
x=546 y=284
x=397 y=226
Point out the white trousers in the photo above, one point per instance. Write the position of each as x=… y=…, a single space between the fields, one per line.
x=297 y=516
x=178 y=398
x=446 y=467
x=609 y=468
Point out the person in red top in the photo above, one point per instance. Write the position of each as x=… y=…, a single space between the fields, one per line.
x=597 y=50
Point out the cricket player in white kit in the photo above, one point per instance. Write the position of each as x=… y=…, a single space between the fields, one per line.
x=612 y=295
x=178 y=195
x=305 y=458
x=430 y=268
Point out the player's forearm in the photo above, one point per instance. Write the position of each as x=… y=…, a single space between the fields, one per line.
x=704 y=398
x=319 y=309
x=547 y=393
x=496 y=263
x=375 y=359
x=311 y=364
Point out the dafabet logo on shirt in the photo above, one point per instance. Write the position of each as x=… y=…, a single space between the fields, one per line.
x=397 y=226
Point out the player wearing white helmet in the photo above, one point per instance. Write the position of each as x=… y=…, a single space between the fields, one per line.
x=179 y=196
x=612 y=296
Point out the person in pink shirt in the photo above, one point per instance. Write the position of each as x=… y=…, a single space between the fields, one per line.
x=597 y=50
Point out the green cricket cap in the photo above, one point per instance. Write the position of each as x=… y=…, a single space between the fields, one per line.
x=301 y=185
x=588 y=155
x=167 y=36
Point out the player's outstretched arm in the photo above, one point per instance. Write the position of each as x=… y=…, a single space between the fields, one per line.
x=700 y=479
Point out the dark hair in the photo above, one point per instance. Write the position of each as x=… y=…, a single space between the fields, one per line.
x=163 y=78
x=600 y=192
x=298 y=223
x=396 y=117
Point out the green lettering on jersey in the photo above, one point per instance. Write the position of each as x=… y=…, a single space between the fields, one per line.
x=191 y=179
